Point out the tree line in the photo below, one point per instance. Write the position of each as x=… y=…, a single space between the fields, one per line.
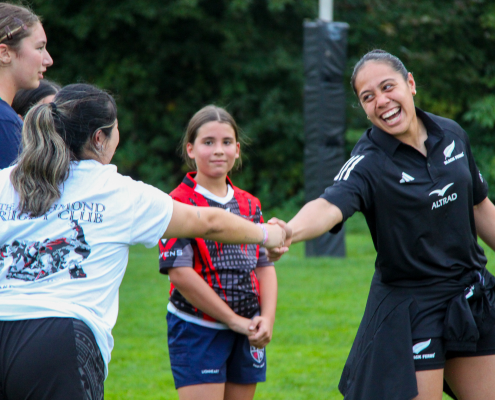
x=165 y=59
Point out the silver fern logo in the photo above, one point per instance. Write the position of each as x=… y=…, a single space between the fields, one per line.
x=419 y=347
x=448 y=153
x=449 y=149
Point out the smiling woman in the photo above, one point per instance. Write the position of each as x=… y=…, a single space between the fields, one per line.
x=431 y=306
x=23 y=60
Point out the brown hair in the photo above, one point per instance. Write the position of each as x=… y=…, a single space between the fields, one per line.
x=15 y=24
x=55 y=134
x=208 y=114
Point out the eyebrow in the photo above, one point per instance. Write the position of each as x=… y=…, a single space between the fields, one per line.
x=380 y=84
x=213 y=138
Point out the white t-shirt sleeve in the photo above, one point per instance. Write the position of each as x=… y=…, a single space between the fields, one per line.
x=152 y=211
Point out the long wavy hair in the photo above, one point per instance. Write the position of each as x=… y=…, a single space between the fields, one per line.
x=55 y=134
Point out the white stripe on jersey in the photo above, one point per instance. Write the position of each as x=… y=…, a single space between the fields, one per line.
x=344 y=168
x=348 y=167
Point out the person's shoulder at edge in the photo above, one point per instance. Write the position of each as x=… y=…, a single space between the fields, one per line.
x=7 y=114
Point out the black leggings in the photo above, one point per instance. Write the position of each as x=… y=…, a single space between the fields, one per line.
x=49 y=359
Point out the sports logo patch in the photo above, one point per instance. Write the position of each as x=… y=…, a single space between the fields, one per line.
x=258 y=354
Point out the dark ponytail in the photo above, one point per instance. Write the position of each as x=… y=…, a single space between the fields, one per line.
x=55 y=134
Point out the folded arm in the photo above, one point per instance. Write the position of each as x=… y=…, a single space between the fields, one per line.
x=200 y=295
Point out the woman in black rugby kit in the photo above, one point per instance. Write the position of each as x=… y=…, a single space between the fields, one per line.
x=431 y=310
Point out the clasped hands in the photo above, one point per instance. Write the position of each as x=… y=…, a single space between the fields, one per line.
x=275 y=252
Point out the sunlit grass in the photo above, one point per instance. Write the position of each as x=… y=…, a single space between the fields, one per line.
x=321 y=301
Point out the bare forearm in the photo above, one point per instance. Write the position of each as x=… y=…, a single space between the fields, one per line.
x=221 y=226
x=200 y=295
x=484 y=216
x=314 y=219
x=267 y=278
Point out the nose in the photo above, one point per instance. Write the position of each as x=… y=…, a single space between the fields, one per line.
x=219 y=148
x=382 y=100
x=47 y=59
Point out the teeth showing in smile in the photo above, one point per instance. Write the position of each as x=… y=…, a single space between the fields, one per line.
x=392 y=115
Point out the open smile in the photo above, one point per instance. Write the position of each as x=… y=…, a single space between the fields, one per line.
x=392 y=116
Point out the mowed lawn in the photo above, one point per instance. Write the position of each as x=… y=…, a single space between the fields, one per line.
x=321 y=301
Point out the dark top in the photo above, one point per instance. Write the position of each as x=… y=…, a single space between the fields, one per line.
x=419 y=209
x=229 y=269
x=420 y=214
x=10 y=134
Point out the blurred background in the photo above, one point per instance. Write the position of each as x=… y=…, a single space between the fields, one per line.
x=165 y=59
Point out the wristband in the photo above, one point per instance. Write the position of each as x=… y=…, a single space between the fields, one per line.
x=265 y=234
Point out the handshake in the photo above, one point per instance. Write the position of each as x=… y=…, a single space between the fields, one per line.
x=278 y=238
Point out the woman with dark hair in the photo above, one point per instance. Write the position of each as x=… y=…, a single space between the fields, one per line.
x=431 y=309
x=24 y=99
x=23 y=60
x=67 y=219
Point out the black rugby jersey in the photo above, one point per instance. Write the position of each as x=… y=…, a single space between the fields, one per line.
x=229 y=269
x=419 y=209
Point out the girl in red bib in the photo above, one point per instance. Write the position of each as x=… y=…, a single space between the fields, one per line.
x=223 y=297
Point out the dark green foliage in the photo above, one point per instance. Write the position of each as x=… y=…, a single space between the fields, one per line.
x=165 y=59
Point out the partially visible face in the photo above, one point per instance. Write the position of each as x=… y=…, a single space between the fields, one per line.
x=109 y=146
x=386 y=97
x=32 y=59
x=46 y=100
x=215 y=149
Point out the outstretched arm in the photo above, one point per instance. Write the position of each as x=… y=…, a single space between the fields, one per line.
x=484 y=217
x=313 y=220
x=216 y=224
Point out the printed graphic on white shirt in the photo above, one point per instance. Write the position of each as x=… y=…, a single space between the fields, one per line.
x=34 y=260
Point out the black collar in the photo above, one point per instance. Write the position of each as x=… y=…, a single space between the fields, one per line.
x=390 y=144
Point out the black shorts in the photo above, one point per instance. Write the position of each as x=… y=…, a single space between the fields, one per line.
x=430 y=353
x=49 y=359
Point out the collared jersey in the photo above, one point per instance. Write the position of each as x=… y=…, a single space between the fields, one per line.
x=419 y=209
x=227 y=268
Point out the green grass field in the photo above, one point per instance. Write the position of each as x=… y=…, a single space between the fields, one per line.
x=321 y=301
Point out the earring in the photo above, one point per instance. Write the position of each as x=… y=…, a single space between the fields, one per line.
x=368 y=116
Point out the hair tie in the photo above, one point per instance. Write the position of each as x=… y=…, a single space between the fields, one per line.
x=54 y=107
